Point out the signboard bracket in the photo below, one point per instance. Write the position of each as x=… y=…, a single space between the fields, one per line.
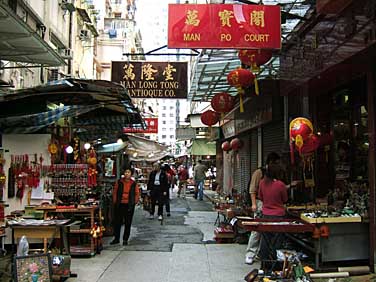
x=151 y=53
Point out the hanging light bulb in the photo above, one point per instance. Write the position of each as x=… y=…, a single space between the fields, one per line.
x=135 y=154
x=87 y=146
x=119 y=141
x=69 y=149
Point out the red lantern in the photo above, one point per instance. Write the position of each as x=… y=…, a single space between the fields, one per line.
x=300 y=130
x=241 y=78
x=255 y=57
x=226 y=146
x=222 y=103
x=311 y=144
x=236 y=144
x=209 y=117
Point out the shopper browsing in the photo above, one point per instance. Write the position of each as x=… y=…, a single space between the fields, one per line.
x=257 y=176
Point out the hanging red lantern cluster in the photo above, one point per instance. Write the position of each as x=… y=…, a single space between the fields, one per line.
x=226 y=146
x=241 y=78
x=222 y=102
x=236 y=144
x=255 y=57
x=302 y=137
x=209 y=118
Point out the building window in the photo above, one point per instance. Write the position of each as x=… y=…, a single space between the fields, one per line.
x=171 y=122
x=171 y=115
x=164 y=108
x=171 y=107
x=171 y=129
x=164 y=129
x=164 y=136
x=163 y=122
x=172 y=136
x=163 y=115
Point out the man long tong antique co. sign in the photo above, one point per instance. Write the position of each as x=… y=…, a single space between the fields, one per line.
x=152 y=79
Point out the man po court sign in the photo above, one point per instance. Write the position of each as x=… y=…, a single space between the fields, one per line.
x=167 y=80
x=216 y=26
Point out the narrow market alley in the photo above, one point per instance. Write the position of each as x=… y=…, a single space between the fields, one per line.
x=182 y=249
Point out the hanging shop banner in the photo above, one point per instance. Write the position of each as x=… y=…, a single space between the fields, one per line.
x=152 y=79
x=224 y=26
x=151 y=127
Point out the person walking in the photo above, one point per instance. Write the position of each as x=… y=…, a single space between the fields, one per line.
x=125 y=196
x=183 y=178
x=199 y=176
x=258 y=174
x=158 y=187
x=273 y=194
x=171 y=183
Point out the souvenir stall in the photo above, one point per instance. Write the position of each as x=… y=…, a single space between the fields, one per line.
x=51 y=166
x=54 y=182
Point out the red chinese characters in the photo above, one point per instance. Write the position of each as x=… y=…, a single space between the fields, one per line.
x=224 y=26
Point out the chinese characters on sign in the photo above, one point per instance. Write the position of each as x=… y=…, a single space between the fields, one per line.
x=152 y=79
x=224 y=26
x=151 y=127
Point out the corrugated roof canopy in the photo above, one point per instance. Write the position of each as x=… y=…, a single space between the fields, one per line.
x=99 y=108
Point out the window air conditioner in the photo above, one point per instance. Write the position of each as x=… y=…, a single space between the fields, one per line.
x=84 y=34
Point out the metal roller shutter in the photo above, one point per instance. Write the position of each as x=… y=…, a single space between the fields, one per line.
x=242 y=165
x=272 y=138
x=254 y=150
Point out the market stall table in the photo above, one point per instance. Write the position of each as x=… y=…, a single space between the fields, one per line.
x=38 y=229
x=93 y=213
x=286 y=226
x=342 y=229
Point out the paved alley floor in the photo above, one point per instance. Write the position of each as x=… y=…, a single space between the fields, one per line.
x=182 y=249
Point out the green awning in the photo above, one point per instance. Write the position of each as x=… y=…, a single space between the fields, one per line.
x=203 y=148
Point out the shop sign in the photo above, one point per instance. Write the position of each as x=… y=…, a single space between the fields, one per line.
x=217 y=26
x=256 y=119
x=228 y=128
x=185 y=133
x=151 y=127
x=167 y=80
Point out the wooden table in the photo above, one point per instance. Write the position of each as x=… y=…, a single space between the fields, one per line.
x=38 y=229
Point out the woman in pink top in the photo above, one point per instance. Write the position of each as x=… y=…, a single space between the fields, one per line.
x=273 y=194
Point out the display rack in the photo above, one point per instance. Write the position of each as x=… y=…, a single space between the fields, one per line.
x=79 y=228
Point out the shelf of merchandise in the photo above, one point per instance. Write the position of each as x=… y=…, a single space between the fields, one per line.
x=94 y=212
